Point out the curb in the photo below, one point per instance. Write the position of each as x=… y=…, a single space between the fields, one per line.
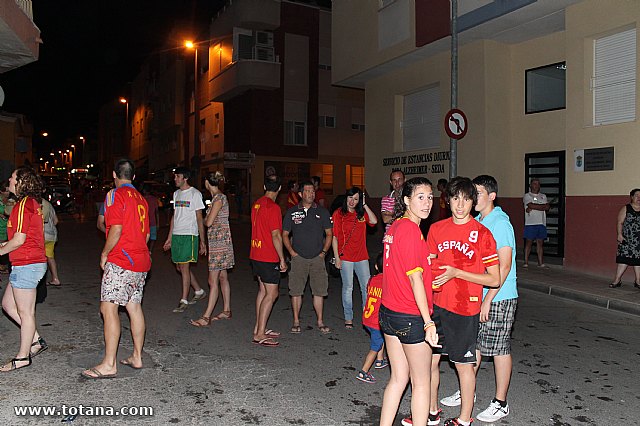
x=582 y=297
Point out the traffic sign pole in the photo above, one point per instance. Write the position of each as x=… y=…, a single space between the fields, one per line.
x=453 y=143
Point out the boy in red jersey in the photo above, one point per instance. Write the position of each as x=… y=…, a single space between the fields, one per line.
x=125 y=260
x=267 y=258
x=466 y=253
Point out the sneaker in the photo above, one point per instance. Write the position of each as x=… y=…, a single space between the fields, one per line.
x=182 y=306
x=434 y=419
x=454 y=400
x=381 y=363
x=494 y=412
x=454 y=422
x=197 y=297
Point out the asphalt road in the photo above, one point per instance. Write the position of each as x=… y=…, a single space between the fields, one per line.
x=574 y=364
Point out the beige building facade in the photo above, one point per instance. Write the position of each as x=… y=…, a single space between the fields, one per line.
x=540 y=97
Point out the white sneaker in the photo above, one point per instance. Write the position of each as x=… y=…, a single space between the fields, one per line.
x=197 y=296
x=494 y=412
x=454 y=400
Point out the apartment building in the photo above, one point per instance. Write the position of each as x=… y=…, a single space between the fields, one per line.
x=548 y=88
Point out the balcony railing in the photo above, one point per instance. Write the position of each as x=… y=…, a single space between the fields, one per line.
x=26 y=6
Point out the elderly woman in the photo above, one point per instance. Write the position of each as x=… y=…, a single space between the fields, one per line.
x=350 y=247
x=29 y=264
x=221 y=255
x=628 y=230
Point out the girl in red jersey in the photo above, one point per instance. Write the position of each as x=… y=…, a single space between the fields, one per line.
x=405 y=314
x=29 y=264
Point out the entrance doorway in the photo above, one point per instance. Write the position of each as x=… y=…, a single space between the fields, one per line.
x=549 y=168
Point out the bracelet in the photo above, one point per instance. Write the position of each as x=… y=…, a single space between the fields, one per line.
x=324 y=252
x=429 y=324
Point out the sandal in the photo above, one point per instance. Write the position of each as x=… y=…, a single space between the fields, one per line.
x=201 y=322
x=324 y=329
x=348 y=325
x=363 y=376
x=296 y=329
x=15 y=367
x=224 y=315
x=43 y=347
x=618 y=284
x=636 y=285
x=381 y=363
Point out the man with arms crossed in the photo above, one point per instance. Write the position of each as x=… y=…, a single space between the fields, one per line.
x=396 y=179
x=312 y=231
x=125 y=260
x=267 y=258
x=498 y=305
x=464 y=253
x=186 y=234
x=535 y=221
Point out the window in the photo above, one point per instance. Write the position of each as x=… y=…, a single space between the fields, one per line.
x=295 y=133
x=325 y=171
x=355 y=176
x=327 y=121
x=357 y=127
x=614 y=83
x=421 y=123
x=545 y=88
x=216 y=124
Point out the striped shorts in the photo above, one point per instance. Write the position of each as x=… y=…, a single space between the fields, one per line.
x=494 y=336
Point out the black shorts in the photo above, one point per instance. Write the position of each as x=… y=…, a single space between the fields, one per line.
x=268 y=272
x=409 y=329
x=457 y=335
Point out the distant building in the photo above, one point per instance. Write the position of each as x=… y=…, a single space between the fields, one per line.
x=549 y=90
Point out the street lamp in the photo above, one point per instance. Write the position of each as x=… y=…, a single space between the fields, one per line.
x=189 y=44
x=126 y=120
x=73 y=154
x=83 y=156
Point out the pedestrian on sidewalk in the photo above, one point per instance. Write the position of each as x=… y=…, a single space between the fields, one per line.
x=307 y=235
x=25 y=230
x=186 y=235
x=50 y=240
x=221 y=255
x=267 y=258
x=406 y=307
x=125 y=261
x=628 y=230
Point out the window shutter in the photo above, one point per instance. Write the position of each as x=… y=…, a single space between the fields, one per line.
x=421 y=122
x=614 y=84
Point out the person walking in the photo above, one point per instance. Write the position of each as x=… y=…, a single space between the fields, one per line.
x=406 y=307
x=50 y=240
x=25 y=229
x=154 y=215
x=628 y=233
x=267 y=258
x=186 y=235
x=125 y=260
x=221 y=257
x=350 y=247
x=307 y=234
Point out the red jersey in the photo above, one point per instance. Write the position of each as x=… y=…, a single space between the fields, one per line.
x=347 y=228
x=127 y=207
x=26 y=218
x=320 y=196
x=152 y=202
x=265 y=217
x=374 y=295
x=405 y=253
x=469 y=247
x=293 y=199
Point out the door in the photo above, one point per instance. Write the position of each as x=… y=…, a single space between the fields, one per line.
x=549 y=168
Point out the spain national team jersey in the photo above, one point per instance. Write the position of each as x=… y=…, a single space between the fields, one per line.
x=405 y=253
x=265 y=218
x=372 y=307
x=26 y=218
x=469 y=247
x=127 y=207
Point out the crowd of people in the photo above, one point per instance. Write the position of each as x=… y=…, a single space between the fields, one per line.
x=448 y=291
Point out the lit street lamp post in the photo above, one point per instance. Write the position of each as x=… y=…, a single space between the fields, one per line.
x=196 y=113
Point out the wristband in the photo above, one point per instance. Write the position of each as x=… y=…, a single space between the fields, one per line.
x=324 y=252
x=428 y=324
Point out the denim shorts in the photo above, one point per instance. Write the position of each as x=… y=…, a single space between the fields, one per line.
x=153 y=233
x=409 y=329
x=27 y=276
x=376 y=339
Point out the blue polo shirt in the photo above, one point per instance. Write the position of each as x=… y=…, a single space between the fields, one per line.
x=307 y=228
x=498 y=223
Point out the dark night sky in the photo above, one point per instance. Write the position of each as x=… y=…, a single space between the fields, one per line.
x=91 y=50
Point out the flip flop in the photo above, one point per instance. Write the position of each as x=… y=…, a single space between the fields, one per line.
x=53 y=284
x=268 y=342
x=348 y=325
x=324 y=329
x=98 y=375
x=129 y=364
x=296 y=329
x=273 y=334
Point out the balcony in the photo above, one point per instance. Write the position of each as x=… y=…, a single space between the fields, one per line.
x=243 y=75
x=19 y=35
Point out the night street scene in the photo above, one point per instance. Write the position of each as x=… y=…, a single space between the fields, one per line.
x=319 y=212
